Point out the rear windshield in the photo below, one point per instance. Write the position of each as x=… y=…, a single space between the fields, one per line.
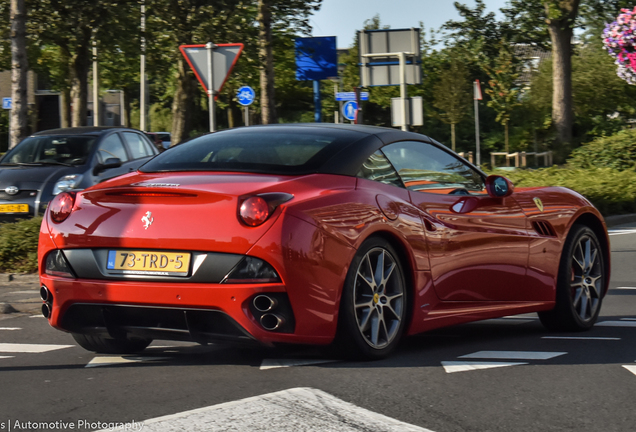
x=73 y=150
x=262 y=150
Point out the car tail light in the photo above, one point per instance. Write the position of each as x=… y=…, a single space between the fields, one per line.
x=255 y=210
x=62 y=206
x=252 y=270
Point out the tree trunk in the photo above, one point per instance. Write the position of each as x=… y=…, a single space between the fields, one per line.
x=453 y=136
x=266 y=61
x=182 y=103
x=19 y=70
x=65 y=108
x=79 y=80
x=561 y=31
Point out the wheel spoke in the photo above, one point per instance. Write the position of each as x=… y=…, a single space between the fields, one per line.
x=387 y=275
x=367 y=303
x=379 y=270
x=583 y=309
x=588 y=254
x=375 y=329
x=577 y=297
x=364 y=322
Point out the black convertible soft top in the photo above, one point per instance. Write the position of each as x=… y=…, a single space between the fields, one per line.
x=290 y=149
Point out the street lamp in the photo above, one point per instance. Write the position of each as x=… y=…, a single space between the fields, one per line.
x=121 y=105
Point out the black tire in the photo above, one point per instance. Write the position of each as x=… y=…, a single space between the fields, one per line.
x=580 y=283
x=374 y=303
x=104 y=345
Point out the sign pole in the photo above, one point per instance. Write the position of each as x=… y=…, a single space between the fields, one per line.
x=403 y=91
x=247 y=116
x=317 y=105
x=210 y=46
x=477 y=96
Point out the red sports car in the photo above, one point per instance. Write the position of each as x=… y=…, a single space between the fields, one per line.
x=314 y=234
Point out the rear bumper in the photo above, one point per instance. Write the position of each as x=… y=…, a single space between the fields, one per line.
x=171 y=311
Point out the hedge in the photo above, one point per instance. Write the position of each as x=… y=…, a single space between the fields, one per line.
x=617 y=151
x=610 y=190
x=19 y=246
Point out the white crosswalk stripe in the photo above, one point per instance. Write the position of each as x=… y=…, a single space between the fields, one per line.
x=30 y=348
x=293 y=410
x=282 y=363
x=616 y=324
x=3 y=357
x=631 y=368
x=514 y=355
x=10 y=328
x=117 y=360
x=463 y=366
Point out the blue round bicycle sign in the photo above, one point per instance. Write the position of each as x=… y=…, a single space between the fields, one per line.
x=245 y=95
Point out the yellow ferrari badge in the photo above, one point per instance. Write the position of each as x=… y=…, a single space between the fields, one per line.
x=539 y=204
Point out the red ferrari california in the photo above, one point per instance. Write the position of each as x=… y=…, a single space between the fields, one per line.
x=314 y=234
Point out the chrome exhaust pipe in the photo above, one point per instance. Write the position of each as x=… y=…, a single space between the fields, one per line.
x=45 y=294
x=46 y=310
x=264 y=303
x=272 y=322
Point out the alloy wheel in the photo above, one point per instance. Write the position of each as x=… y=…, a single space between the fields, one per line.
x=586 y=278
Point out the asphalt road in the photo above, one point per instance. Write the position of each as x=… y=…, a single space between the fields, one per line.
x=497 y=375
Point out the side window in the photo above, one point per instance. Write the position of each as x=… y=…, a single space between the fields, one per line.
x=111 y=147
x=137 y=145
x=378 y=168
x=427 y=168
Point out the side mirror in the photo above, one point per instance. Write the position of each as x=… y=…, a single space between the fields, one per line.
x=108 y=164
x=499 y=186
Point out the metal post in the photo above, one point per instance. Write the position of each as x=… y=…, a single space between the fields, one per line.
x=247 y=116
x=210 y=46
x=477 y=152
x=317 y=105
x=121 y=108
x=96 y=110
x=403 y=91
x=142 y=96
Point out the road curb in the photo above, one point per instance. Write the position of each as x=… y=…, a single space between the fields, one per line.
x=611 y=221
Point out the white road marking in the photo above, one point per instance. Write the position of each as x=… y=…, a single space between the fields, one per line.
x=30 y=348
x=293 y=410
x=37 y=316
x=522 y=317
x=625 y=288
x=462 y=366
x=516 y=355
x=36 y=292
x=10 y=328
x=621 y=231
x=281 y=363
x=1 y=357
x=631 y=368
x=581 y=338
x=616 y=324
x=117 y=360
x=628 y=319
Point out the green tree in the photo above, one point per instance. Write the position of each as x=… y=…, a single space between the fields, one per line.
x=503 y=91
x=452 y=95
x=277 y=13
x=536 y=20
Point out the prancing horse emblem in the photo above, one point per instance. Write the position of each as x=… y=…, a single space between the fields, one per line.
x=147 y=220
x=538 y=203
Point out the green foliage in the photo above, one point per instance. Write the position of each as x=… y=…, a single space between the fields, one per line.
x=19 y=245
x=611 y=191
x=617 y=152
x=452 y=93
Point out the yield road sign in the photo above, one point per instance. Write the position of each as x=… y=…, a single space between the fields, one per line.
x=245 y=95
x=351 y=96
x=224 y=57
x=7 y=103
x=349 y=110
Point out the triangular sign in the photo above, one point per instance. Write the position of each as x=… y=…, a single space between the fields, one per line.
x=224 y=57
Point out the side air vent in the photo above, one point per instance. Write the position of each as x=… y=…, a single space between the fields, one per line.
x=544 y=228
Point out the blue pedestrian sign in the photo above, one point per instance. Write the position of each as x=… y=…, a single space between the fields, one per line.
x=246 y=95
x=6 y=103
x=349 y=110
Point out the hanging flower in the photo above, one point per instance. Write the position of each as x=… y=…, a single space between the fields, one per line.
x=619 y=39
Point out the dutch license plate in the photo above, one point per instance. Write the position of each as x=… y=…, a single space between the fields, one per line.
x=14 y=208
x=149 y=262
